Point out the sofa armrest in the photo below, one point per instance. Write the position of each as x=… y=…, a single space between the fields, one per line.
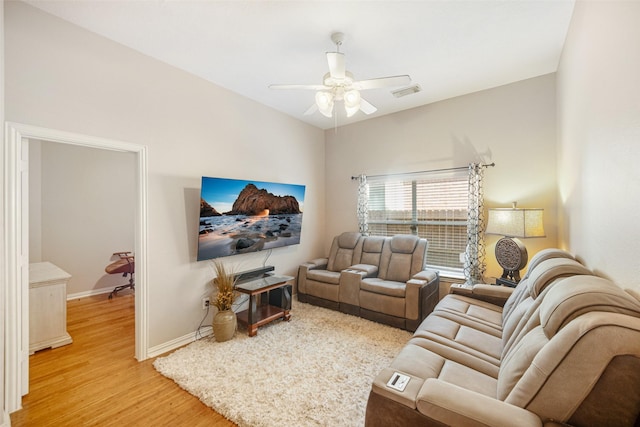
x=368 y=269
x=421 y=296
x=493 y=294
x=314 y=264
x=426 y=275
x=452 y=405
x=317 y=264
x=349 y=289
x=494 y=291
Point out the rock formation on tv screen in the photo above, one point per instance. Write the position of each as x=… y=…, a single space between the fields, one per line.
x=207 y=210
x=254 y=201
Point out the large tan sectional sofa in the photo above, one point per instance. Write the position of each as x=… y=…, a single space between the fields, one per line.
x=379 y=278
x=562 y=349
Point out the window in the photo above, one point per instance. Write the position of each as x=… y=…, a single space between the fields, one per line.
x=430 y=205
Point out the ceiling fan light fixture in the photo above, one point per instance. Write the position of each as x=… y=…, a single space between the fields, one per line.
x=340 y=85
x=352 y=102
x=324 y=101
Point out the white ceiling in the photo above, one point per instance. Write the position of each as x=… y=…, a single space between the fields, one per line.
x=449 y=48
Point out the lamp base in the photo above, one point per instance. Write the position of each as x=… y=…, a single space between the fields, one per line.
x=512 y=256
x=511 y=275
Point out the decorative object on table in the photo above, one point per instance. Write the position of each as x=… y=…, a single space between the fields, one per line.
x=225 y=321
x=512 y=223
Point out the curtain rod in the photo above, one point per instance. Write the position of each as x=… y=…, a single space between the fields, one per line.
x=429 y=171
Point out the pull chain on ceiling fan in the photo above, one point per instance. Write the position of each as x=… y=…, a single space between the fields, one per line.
x=339 y=85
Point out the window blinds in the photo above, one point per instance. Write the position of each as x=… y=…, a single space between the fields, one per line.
x=433 y=206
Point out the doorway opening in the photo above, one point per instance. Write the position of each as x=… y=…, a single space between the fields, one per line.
x=16 y=246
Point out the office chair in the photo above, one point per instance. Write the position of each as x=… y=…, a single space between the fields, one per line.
x=125 y=265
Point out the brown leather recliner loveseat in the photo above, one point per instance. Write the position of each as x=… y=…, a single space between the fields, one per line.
x=564 y=350
x=379 y=278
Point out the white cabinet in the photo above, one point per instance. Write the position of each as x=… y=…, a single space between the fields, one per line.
x=47 y=306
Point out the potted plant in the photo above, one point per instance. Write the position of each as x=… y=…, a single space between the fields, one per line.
x=224 y=321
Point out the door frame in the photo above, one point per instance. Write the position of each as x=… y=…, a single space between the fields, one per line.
x=16 y=242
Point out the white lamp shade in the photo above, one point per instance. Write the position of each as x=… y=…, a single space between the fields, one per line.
x=515 y=222
x=352 y=102
x=324 y=101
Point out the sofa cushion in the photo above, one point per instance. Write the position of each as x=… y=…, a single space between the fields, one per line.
x=384 y=287
x=371 y=250
x=461 y=322
x=327 y=291
x=545 y=254
x=545 y=275
x=381 y=303
x=342 y=259
x=550 y=270
x=569 y=299
x=373 y=244
x=402 y=256
x=404 y=243
x=471 y=308
x=399 y=267
x=581 y=294
x=472 y=322
x=348 y=239
x=417 y=361
x=520 y=292
x=451 y=333
x=342 y=251
x=325 y=276
x=516 y=363
x=566 y=371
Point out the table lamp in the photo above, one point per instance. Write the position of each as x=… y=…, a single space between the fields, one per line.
x=512 y=223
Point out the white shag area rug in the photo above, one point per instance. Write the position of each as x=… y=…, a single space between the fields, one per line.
x=315 y=370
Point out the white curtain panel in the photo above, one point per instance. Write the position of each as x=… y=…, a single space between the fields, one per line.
x=474 y=260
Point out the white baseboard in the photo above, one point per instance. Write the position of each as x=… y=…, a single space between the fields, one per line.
x=6 y=420
x=205 y=331
x=90 y=293
x=166 y=347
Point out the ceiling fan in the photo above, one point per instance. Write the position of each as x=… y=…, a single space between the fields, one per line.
x=339 y=85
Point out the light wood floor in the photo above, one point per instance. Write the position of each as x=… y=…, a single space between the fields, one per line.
x=97 y=381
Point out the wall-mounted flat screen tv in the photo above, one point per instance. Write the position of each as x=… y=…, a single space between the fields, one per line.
x=240 y=216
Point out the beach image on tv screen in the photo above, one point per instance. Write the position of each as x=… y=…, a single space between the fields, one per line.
x=240 y=216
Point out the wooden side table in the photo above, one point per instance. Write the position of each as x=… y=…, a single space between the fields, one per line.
x=504 y=282
x=269 y=299
x=47 y=306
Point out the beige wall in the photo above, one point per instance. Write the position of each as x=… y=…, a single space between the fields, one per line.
x=84 y=211
x=62 y=77
x=599 y=139
x=513 y=126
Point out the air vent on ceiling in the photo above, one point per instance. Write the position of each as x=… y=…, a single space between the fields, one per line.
x=406 y=91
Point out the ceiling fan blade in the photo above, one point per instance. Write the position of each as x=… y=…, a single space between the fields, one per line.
x=367 y=107
x=336 y=65
x=311 y=109
x=306 y=87
x=382 y=82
